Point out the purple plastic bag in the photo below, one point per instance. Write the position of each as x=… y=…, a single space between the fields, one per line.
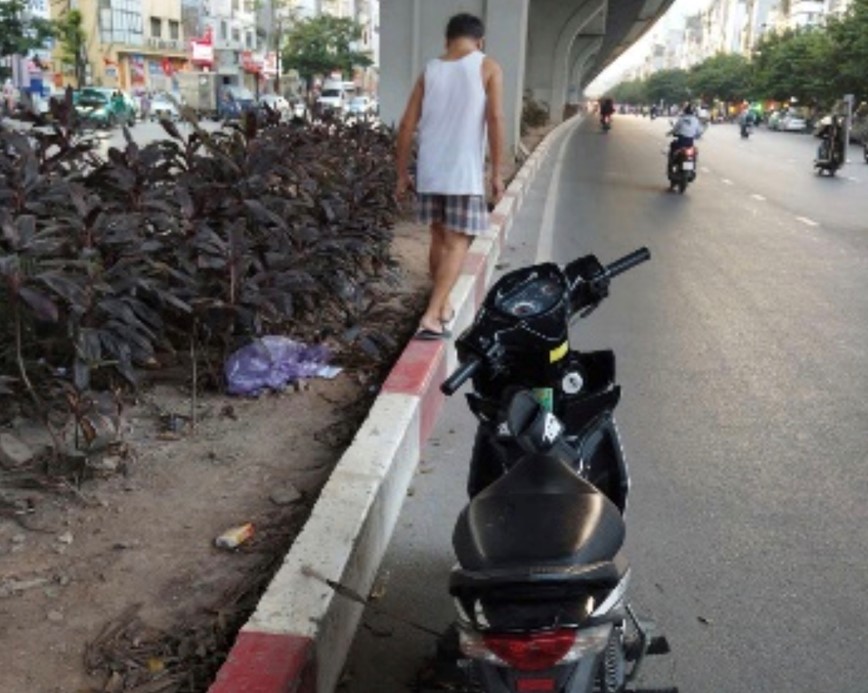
x=272 y=363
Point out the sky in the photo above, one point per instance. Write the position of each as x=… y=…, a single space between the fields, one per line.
x=673 y=18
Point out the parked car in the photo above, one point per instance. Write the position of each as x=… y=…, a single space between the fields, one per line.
x=234 y=101
x=276 y=103
x=164 y=107
x=105 y=107
x=361 y=106
x=793 y=123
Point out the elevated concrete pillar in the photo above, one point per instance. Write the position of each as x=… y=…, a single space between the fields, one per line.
x=554 y=26
x=412 y=32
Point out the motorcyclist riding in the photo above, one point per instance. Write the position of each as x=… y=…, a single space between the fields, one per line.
x=686 y=129
x=831 y=132
x=607 y=108
x=745 y=120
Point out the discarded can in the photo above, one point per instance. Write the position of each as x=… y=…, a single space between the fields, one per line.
x=235 y=537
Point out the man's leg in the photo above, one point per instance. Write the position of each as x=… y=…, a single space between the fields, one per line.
x=437 y=248
x=448 y=269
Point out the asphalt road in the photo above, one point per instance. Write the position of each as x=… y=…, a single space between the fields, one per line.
x=743 y=353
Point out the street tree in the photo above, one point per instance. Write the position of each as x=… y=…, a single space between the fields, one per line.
x=668 y=86
x=848 y=53
x=723 y=76
x=72 y=40
x=20 y=33
x=322 y=44
x=632 y=92
x=796 y=64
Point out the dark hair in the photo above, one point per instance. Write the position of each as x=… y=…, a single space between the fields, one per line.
x=688 y=109
x=465 y=26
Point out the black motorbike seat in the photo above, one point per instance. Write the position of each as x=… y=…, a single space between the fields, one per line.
x=539 y=513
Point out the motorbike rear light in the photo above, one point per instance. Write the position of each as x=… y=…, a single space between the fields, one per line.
x=535 y=651
x=531 y=651
x=532 y=685
x=690 y=151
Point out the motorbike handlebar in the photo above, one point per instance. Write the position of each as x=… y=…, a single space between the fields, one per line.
x=628 y=262
x=461 y=374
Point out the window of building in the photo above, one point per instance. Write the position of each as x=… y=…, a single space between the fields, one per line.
x=236 y=35
x=223 y=33
x=156 y=27
x=235 y=5
x=249 y=40
x=120 y=21
x=174 y=30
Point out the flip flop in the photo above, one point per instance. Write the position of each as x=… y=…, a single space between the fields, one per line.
x=448 y=320
x=426 y=335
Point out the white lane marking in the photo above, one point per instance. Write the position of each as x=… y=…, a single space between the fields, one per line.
x=758 y=197
x=727 y=181
x=547 y=227
x=705 y=169
x=850 y=178
x=806 y=221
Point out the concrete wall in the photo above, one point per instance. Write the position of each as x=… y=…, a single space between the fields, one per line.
x=412 y=32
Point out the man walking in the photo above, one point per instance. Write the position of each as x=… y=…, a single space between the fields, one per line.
x=455 y=100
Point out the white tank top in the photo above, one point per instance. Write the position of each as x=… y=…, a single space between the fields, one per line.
x=452 y=128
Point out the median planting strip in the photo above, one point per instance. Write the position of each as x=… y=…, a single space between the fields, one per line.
x=298 y=638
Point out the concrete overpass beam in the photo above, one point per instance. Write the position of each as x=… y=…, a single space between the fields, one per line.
x=585 y=55
x=554 y=27
x=412 y=33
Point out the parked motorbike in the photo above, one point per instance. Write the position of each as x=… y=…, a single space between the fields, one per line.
x=745 y=130
x=541 y=582
x=865 y=151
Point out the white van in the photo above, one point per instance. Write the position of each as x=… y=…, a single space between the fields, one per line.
x=335 y=96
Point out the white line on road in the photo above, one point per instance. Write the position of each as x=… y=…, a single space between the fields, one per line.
x=705 y=169
x=806 y=221
x=758 y=197
x=547 y=227
x=727 y=181
x=850 y=178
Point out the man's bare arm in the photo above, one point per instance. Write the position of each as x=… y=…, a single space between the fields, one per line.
x=406 y=130
x=496 y=122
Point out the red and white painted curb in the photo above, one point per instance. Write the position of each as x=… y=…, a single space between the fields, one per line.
x=299 y=636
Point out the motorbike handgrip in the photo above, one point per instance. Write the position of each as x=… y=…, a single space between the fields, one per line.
x=627 y=262
x=460 y=375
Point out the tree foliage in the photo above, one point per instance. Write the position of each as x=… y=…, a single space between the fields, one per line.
x=669 y=86
x=322 y=44
x=19 y=33
x=815 y=65
x=72 y=39
x=723 y=76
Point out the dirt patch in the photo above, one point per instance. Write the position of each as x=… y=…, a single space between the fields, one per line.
x=129 y=565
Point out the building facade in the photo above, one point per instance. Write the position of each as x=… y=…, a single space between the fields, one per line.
x=134 y=45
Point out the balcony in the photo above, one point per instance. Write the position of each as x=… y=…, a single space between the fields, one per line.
x=163 y=44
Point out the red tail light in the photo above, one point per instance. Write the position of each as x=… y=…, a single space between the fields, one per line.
x=531 y=651
x=690 y=151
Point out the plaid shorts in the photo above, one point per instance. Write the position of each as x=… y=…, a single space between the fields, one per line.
x=462 y=213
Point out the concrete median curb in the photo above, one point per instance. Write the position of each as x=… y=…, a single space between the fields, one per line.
x=298 y=638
